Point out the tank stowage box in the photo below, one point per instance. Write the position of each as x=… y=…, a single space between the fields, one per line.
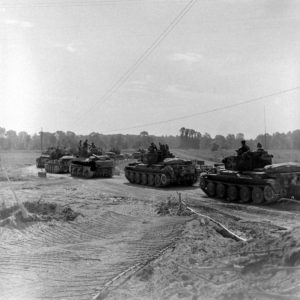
x=160 y=169
x=92 y=167
x=252 y=177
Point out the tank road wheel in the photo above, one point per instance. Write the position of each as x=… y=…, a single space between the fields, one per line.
x=245 y=194
x=165 y=179
x=157 y=180
x=137 y=177
x=257 y=195
x=127 y=174
x=202 y=184
x=144 y=179
x=151 y=179
x=86 y=174
x=71 y=171
x=232 y=193
x=269 y=194
x=211 y=189
x=221 y=190
x=131 y=177
x=75 y=171
x=79 y=172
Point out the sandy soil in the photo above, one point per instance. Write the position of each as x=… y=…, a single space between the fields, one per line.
x=116 y=246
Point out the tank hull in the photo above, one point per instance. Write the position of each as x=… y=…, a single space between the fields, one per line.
x=161 y=175
x=92 y=169
x=58 y=166
x=266 y=185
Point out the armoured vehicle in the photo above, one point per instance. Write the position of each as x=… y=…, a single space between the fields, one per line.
x=50 y=154
x=60 y=165
x=92 y=167
x=160 y=168
x=251 y=177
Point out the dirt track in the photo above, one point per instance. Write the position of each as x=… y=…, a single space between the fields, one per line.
x=118 y=229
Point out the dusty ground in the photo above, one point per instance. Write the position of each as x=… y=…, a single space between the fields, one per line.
x=103 y=238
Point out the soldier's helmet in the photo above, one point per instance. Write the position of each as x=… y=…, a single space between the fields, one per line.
x=259 y=145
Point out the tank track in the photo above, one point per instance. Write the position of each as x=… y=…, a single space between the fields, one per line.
x=258 y=193
x=157 y=179
x=86 y=172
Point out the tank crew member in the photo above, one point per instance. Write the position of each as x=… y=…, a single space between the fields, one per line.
x=152 y=148
x=245 y=148
x=259 y=148
x=85 y=144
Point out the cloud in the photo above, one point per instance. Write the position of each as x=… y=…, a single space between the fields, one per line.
x=188 y=57
x=67 y=47
x=70 y=48
x=22 y=24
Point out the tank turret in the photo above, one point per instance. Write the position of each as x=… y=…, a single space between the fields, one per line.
x=159 y=167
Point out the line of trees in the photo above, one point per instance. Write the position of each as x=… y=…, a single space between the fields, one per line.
x=187 y=138
x=190 y=138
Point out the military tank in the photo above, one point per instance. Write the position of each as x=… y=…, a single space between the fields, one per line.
x=94 y=166
x=51 y=153
x=59 y=166
x=251 y=177
x=160 y=168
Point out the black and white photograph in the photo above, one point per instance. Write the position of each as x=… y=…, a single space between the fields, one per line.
x=149 y=150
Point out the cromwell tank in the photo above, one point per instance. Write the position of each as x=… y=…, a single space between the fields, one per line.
x=160 y=168
x=92 y=167
x=251 y=177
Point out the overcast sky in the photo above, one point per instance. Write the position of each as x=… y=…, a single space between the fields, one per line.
x=58 y=60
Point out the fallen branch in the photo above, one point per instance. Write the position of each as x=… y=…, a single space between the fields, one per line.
x=223 y=228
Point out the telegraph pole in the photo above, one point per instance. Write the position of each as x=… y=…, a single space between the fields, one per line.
x=41 y=133
x=265 y=127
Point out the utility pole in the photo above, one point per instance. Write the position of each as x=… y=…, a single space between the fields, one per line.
x=265 y=127
x=41 y=134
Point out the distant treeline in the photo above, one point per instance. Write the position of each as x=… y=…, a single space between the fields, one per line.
x=187 y=138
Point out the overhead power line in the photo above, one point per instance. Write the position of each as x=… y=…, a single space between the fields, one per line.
x=208 y=111
x=41 y=4
x=116 y=85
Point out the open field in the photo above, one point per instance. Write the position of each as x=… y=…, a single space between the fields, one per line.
x=217 y=156
x=103 y=239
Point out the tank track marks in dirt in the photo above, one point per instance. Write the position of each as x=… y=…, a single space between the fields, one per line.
x=92 y=168
x=266 y=185
x=59 y=166
x=161 y=175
